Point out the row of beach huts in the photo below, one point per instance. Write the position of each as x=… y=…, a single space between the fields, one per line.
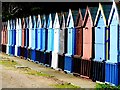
x=83 y=42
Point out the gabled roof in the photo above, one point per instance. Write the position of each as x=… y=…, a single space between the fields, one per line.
x=30 y=21
x=60 y=18
x=80 y=17
x=26 y=22
x=75 y=14
x=115 y=6
x=65 y=16
x=105 y=11
x=34 y=22
x=17 y=27
x=8 y=25
x=43 y=21
x=118 y=9
x=23 y=23
x=39 y=21
x=53 y=18
x=91 y=11
x=57 y=20
x=62 y=22
x=49 y=21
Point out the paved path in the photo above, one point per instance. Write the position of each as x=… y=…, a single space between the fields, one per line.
x=82 y=82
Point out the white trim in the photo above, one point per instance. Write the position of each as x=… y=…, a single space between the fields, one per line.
x=102 y=12
x=39 y=22
x=49 y=20
x=56 y=21
x=30 y=22
x=110 y=15
x=70 y=15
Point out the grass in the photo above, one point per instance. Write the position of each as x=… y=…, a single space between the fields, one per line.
x=65 y=85
x=106 y=86
x=8 y=63
x=33 y=72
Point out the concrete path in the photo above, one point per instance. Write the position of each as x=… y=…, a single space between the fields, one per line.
x=82 y=82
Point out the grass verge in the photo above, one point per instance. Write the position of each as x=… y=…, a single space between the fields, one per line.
x=64 y=85
x=106 y=86
x=8 y=63
x=30 y=71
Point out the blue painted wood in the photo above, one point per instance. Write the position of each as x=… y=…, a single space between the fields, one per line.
x=11 y=33
x=99 y=52
x=71 y=35
x=100 y=34
x=68 y=64
x=20 y=32
x=50 y=41
x=39 y=34
x=113 y=43
x=114 y=37
x=14 y=38
x=100 y=39
x=33 y=32
x=43 y=34
x=112 y=73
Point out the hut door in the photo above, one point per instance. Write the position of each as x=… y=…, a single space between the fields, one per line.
x=79 y=41
x=113 y=43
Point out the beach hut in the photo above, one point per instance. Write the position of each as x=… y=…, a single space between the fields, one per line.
x=71 y=21
x=62 y=40
x=8 y=29
x=10 y=37
x=6 y=36
x=101 y=38
x=13 y=37
x=30 y=37
x=112 y=67
x=79 y=41
x=33 y=35
x=56 y=27
x=3 y=37
x=23 y=38
x=50 y=39
x=26 y=42
x=88 y=30
x=44 y=33
x=17 y=38
x=38 y=38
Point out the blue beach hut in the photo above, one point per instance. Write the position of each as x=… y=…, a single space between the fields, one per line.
x=33 y=45
x=112 y=67
x=101 y=39
x=38 y=38
x=8 y=32
x=30 y=37
x=44 y=34
x=68 y=63
x=50 y=39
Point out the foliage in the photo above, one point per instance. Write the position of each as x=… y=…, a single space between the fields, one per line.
x=106 y=86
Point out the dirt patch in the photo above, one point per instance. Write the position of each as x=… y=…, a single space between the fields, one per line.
x=15 y=75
